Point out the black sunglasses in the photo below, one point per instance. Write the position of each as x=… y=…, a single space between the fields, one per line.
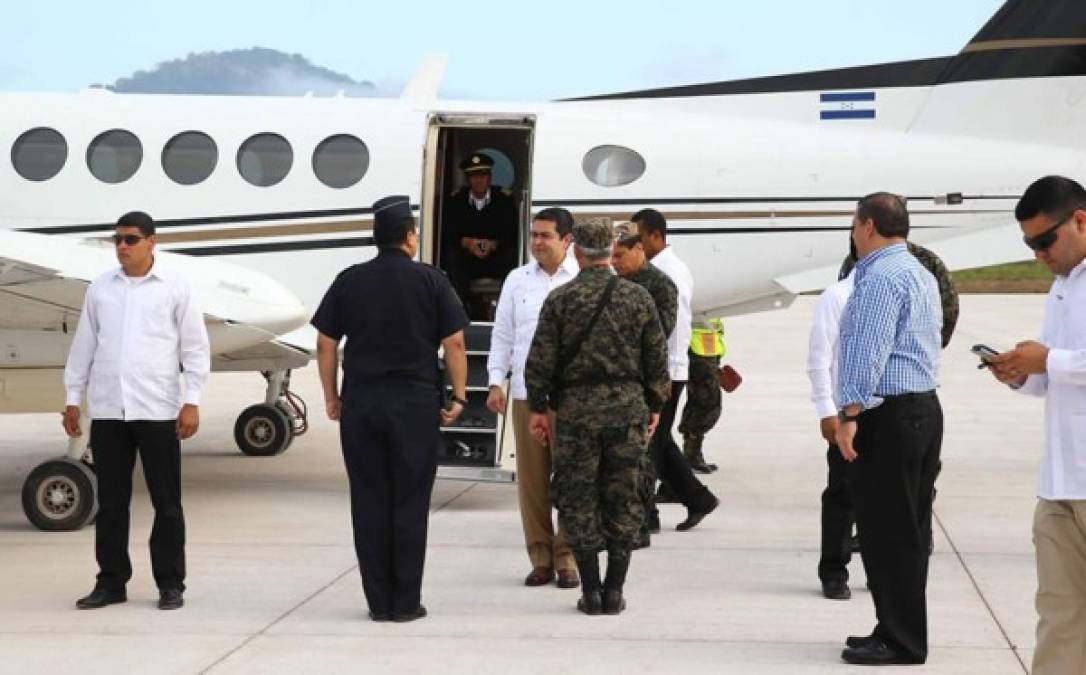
x=1044 y=240
x=128 y=239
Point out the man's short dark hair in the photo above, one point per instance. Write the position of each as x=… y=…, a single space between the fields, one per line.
x=562 y=219
x=1053 y=196
x=138 y=219
x=392 y=234
x=889 y=212
x=652 y=220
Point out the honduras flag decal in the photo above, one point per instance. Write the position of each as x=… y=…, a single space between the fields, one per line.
x=847 y=105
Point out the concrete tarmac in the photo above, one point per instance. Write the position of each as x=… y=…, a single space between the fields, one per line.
x=274 y=586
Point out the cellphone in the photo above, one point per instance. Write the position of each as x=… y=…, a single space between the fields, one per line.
x=983 y=352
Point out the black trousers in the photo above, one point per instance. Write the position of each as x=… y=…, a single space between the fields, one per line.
x=837 y=519
x=671 y=466
x=390 y=440
x=894 y=482
x=115 y=444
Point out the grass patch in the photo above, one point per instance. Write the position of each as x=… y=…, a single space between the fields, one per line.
x=1019 y=271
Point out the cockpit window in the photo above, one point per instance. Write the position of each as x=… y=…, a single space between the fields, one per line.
x=612 y=165
x=39 y=154
x=114 y=156
x=340 y=161
x=189 y=157
x=265 y=159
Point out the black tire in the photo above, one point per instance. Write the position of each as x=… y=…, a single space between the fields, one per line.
x=290 y=423
x=262 y=430
x=60 y=495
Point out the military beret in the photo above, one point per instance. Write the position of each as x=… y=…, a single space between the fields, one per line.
x=595 y=233
x=389 y=212
x=477 y=161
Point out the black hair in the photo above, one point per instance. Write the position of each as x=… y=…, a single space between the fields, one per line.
x=562 y=219
x=392 y=234
x=138 y=219
x=887 y=210
x=1053 y=196
x=652 y=220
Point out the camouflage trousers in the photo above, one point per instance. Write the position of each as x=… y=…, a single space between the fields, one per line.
x=597 y=485
x=703 y=399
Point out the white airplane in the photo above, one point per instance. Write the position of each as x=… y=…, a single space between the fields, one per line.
x=263 y=200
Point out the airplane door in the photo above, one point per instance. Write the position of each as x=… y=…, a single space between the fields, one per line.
x=479 y=446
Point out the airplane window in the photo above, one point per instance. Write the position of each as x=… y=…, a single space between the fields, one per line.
x=189 y=157
x=265 y=159
x=612 y=165
x=39 y=154
x=340 y=161
x=114 y=156
x=503 y=173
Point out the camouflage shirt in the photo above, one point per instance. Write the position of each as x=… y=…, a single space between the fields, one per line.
x=621 y=368
x=663 y=291
x=948 y=295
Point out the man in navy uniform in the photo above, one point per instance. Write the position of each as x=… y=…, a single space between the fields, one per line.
x=394 y=313
x=479 y=228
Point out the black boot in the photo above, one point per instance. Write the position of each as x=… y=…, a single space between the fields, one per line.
x=591 y=602
x=618 y=563
x=692 y=451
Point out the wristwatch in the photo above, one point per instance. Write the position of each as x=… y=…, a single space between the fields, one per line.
x=844 y=417
x=457 y=399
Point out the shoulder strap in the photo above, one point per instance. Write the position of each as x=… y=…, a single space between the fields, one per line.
x=574 y=349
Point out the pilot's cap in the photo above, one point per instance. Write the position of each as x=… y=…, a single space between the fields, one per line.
x=594 y=233
x=626 y=234
x=389 y=212
x=477 y=161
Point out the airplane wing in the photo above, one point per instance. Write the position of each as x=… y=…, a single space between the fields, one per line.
x=44 y=279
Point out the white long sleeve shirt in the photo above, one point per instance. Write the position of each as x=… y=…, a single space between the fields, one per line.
x=822 y=346
x=521 y=298
x=1062 y=474
x=135 y=336
x=678 y=360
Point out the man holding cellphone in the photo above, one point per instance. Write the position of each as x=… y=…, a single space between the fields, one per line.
x=1052 y=215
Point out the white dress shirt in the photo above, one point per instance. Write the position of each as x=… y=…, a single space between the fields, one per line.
x=1062 y=474
x=678 y=343
x=822 y=346
x=135 y=335
x=522 y=297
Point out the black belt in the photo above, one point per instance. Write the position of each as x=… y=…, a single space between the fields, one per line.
x=913 y=396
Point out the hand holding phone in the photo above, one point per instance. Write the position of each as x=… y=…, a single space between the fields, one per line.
x=983 y=352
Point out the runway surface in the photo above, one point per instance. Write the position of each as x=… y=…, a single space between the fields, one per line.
x=274 y=587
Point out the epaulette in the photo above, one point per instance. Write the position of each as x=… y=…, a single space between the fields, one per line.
x=507 y=191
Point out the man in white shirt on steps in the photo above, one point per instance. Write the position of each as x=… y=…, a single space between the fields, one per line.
x=522 y=297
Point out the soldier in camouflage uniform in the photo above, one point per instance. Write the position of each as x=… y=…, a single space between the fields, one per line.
x=607 y=388
x=703 y=398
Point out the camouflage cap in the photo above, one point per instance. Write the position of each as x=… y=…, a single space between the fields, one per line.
x=593 y=233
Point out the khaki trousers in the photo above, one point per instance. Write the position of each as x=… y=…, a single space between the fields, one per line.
x=1059 y=536
x=545 y=547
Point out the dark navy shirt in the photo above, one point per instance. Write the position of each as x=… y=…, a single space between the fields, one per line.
x=394 y=313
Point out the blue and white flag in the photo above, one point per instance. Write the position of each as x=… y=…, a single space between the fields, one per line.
x=847 y=105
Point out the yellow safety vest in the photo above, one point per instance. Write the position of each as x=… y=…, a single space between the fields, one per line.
x=709 y=341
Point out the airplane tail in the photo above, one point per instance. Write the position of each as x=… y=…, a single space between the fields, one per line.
x=1022 y=77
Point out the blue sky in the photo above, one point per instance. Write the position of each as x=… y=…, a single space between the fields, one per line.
x=497 y=50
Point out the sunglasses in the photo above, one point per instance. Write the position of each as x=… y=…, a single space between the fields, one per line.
x=1044 y=240
x=128 y=239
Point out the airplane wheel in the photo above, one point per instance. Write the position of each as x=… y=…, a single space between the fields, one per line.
x=262 y=430
x=60 y=494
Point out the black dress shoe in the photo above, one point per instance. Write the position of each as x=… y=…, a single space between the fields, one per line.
x=410 y=616
x=875 y=653
x=859 y=640
x=591 y=603
x=171 y=598
x=101 y=597
x=695 y=517
x=836 y=589
x=379 y=616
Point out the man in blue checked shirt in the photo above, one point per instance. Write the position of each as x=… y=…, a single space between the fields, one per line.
x=891 y=425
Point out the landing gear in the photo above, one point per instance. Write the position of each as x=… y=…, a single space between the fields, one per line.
x=62 y=494
x=267 y=428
